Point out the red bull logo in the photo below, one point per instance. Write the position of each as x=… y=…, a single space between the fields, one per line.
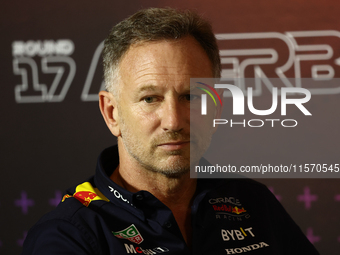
x=229 y=208
x=86 y=193
x=85 y=197
x=238 y=210
x=64 y=197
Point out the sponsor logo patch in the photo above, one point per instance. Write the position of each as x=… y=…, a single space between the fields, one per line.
x=229 y=208
x=131 y=249
x=237 y=234
x=247 y=248
x=86 y=193
x=131 y=233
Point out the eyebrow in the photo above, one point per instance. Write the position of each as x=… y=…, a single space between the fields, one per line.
x=154 y=88
x=146 y=87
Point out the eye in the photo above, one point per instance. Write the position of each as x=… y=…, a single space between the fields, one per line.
x=149 y=100
x=191 y=97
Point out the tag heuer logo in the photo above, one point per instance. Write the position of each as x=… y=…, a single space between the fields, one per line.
x=130 y=233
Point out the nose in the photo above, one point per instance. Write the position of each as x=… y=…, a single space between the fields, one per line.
x=175 y=115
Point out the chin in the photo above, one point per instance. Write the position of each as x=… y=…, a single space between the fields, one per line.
x=173 y=168
x=174 y=173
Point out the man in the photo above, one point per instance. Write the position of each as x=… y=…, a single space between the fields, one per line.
x=142 y=199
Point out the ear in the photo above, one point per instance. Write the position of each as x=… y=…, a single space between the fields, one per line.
x=109 y=110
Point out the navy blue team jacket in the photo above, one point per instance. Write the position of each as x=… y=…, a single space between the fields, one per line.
x=232 y=216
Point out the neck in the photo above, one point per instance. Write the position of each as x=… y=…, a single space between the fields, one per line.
x=175 y=193
x=170 y=191
x=131 y=175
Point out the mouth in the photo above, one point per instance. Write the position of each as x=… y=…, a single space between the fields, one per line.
x=174 y=145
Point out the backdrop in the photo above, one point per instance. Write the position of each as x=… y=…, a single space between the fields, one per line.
x=52 y=130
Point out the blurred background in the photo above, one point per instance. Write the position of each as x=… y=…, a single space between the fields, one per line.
x=52 y=131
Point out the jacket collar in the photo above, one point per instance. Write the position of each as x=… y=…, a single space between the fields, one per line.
x=135 y=202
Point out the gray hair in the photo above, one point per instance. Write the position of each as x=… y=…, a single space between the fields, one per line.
x=155 y=24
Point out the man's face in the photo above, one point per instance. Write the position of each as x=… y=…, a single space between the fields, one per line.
x=154 y=103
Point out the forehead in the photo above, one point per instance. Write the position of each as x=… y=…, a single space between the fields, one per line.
x=164 y=61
